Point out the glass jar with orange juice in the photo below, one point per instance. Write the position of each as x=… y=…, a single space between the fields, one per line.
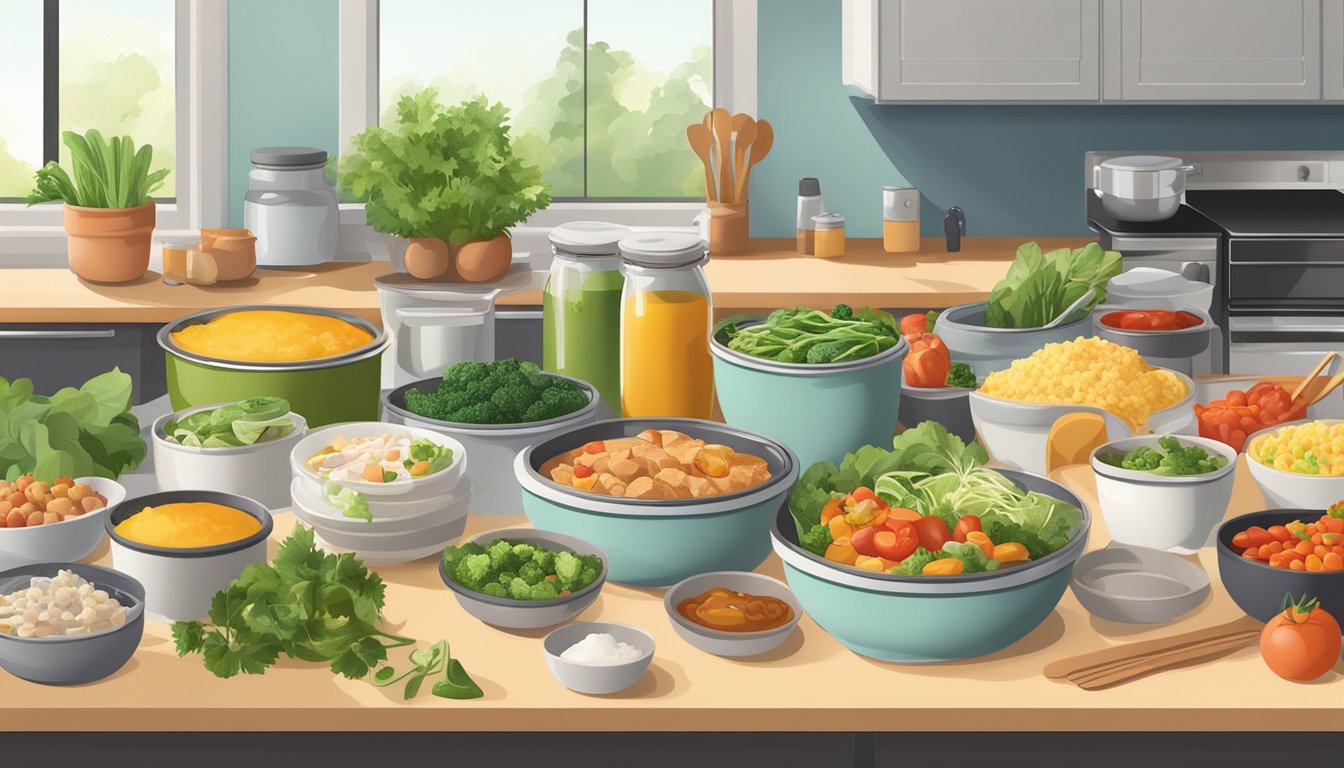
x=666 y=316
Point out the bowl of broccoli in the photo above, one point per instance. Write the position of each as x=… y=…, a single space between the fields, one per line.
x=495 y=409
x=522 y=578
x=820 y=382
x=1164 y=491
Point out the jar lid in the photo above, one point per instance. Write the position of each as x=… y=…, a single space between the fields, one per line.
x=829 y=221
x=288 y=157
x=1142 y=163
x=662 y=249
x=900 y=203
x=589 y=238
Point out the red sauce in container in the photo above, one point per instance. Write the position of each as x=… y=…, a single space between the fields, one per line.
x=1150 y=320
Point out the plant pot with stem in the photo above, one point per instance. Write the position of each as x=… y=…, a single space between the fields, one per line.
x=108 y=214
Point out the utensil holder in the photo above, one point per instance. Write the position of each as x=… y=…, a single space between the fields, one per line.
x=728 y=228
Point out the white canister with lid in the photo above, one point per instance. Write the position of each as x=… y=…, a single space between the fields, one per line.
x=291 y=207
x=900 y=219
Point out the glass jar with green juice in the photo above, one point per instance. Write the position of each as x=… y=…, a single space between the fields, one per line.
x=581 y=306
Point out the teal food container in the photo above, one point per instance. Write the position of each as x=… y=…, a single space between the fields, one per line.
x=324 y=391
x=821 y=412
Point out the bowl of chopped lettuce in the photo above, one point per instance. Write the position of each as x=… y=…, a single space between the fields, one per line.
x=523 y=578
x=240 y=448
x=820 y=382
x=1164 y=491
x=892 y=547
x=494 y=409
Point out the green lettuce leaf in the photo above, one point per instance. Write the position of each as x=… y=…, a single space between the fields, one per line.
x=351 y=503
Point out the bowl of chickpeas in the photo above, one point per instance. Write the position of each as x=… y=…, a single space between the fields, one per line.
x=59 y=521
x=1299 y=464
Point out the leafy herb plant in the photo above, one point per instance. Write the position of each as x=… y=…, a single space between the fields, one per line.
x=106 y=174
x=444 y=172
x=82 y=432
x=318 y=607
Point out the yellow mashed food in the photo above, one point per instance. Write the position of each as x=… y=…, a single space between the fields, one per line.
x=187 y=525
x=1091 y=372
x=1314 y=448
x=271 y=336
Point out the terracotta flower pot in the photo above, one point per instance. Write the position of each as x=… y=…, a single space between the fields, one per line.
x=109 y=245
x=481 y=261
x=428 y=258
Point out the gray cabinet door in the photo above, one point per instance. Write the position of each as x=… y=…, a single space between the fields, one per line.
x=1332 y=49
x=1218 y=50
x=974 y=50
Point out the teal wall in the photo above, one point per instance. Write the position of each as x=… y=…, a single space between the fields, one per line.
x=1014 y=170
x=283 y=81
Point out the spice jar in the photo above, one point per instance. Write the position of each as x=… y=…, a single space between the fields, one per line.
x=830 y=239
x=900 y=219
x=184 y=261
x=666 y=370
x=581 y=306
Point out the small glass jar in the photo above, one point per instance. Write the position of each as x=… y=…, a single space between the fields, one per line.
x=830 y=239
x=581 y=306
x=291 y=207
x=667 y=311
x=900 y=220
x=181 y=257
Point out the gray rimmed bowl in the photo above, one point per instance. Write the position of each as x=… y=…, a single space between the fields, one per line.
x=180 y=582
x=529 y=614
x=657 y=542
x=731 y=644
x=492 y=447
x=906 y=618
x=988 y=349
x=1138 y=585
x=949 y=406
x=597 y=679
x=1154 y=346
x=82 y=659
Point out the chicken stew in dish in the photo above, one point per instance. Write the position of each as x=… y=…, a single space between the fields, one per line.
x=657 y=464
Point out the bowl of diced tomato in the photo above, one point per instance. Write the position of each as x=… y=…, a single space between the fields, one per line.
x=1263 y=556
x=1238 y=414
x=1155 y=333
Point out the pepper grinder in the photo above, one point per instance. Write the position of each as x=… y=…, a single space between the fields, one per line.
x=954 y=227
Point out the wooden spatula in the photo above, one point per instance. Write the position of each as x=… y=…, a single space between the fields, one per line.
x=760 y=147
x=1306 y=382
x=1159 y=662
x=723 y=150
x=701 y=143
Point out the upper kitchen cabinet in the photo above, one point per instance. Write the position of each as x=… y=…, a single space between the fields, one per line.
x=972 y=50
x=1212 y=50
x=1332 y=49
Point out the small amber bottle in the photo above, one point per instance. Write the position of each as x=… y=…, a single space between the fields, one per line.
x=900 y=219
x=830 y=240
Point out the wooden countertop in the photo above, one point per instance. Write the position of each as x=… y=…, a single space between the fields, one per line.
x=768 y=276
x=811 y=683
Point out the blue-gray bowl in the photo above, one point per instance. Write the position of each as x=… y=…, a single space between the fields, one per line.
x=82 y=659
x=931 y=618
x=655 y=543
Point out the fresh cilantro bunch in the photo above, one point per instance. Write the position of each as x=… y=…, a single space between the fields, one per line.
x=314 y=606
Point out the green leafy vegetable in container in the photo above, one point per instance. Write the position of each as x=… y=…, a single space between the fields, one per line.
x=1039 y=285
x=813 y=336
x=247 y=422
x=498 y=392
x=1169 y=459
x=85 y=432
x=961 y=375
x=504 y=569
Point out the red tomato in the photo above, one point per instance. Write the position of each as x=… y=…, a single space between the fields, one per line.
x=965 y=525
x=1302 y=643
x=896 y=543
x=862 y=541
x=865 y=494
x=933 y=532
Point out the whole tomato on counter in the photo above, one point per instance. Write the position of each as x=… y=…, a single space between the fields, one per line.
x=1302 y=643
x=1231 y=419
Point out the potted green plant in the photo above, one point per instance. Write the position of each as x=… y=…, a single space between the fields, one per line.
x=109 y=214
x=446 y=178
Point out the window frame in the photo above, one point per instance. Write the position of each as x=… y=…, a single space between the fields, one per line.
x=734 y=89
x=34 y=236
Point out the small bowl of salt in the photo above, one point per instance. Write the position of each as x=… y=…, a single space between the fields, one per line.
x=598 y=657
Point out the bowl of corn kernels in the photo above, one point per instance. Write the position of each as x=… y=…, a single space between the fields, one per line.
x=1015 y=408
x=1299 y=464
x=58 y=521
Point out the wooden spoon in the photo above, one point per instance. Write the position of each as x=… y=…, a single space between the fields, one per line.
x=1306 y=382
x=746 y=136
x=765 y=139
x=701 y=142
x=1327 y=389
x=723 y=147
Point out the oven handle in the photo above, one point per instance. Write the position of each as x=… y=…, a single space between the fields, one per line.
x=1286 y=337
x=1286 y=263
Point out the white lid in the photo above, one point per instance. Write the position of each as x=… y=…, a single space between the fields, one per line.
x=1142 y=163
x=589 y=238
x=828 y=221
x=900 y=204
x=662 y=249
x=1157 y=283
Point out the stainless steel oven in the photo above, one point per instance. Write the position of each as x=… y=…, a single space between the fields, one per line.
x=1283 y=345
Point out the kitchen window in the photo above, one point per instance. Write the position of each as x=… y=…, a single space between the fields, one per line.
x=599 y=91
x=151 y=69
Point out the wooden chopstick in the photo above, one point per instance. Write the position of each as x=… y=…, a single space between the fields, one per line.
x=1102 y=669
x=1153 y=664
x=1302 y=386
x=1061 y=669
x=1327 y=389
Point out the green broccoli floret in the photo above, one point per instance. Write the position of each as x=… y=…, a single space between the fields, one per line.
x=530 y=572
x=842 y=312
x=472 y=571
x=827 y=351
x=501 y=554
x=511 y=402
x=545 y=559
x=452 y=555
x=523 y=552
x=519 y=589
x=495 y=589
x=973 y=558
x=914 y=563
x=961 y=375
x=561 y=398
x=476 y=413
x=567 y=567
x=544 y=590
x=460 y=375
x=817 y=539
x=505 y=577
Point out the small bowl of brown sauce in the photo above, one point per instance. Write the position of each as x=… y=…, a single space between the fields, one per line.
x=733 y=613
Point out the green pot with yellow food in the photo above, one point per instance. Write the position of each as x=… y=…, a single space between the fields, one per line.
x=327 y=364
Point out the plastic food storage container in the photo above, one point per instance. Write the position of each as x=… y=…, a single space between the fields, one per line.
x=291 y=207
x=666 y=315
x=900 y=219
x=581 y=305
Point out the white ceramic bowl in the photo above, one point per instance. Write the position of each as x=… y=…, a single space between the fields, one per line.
x=597 y=679
x=1290 y=490
x=418 y=515
x=64 y=542
x=179 y=583
x=1152 y=288
x=1015 y=433
x=260 y=471
x=731 y=644
x=1177 y=514
x=412 y=489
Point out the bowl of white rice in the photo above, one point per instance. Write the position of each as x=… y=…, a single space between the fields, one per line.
x=598 y=658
